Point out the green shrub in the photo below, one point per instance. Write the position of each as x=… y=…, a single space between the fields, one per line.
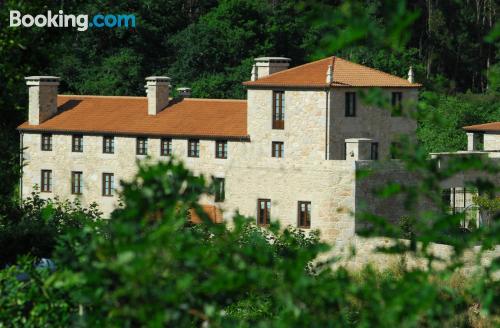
x=36 y=225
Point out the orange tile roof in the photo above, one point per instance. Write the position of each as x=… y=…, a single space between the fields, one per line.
x=210 y=118
x=493 y=126
x=345 y=74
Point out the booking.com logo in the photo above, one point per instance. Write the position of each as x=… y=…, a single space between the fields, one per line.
x=81 y=22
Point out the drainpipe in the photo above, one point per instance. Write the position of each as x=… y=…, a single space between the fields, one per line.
x=21 y=155
x=327 y=124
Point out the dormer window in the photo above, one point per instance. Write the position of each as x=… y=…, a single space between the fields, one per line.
x=350 y=104
x=279 y=110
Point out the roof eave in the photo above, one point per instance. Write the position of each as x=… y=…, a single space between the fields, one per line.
x=134 y=133
x=468 y=129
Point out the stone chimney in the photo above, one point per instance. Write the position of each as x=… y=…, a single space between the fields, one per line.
x=184 y=92
x=42 y=91
x=265 y=66
x=158 y=91
x=411 y=75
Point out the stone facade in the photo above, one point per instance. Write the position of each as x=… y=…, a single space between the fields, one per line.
x=250 y=172
x=313 y=168
x=370 y=122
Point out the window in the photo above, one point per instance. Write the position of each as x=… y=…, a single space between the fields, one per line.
x=46 y=183
x=263 y=212
x=46 y=142
x=278 y=110
x=278 y=149
x=193 y=148
x=166 y=147
x=76 y=183
x=396 y=102
x=77 y=143
x=221 y=149
x=304 y=215
x=108 y=145
x=142 y=146
x=108 y=184
x=350 y=104
x=395 y=150
x=374 y=151
x=446 y=197
x=220 y=193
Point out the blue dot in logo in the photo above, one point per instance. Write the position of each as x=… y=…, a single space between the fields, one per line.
x=90 y=24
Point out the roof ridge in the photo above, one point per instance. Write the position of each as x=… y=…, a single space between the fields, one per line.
x=370 y=68
x=215 y=99
x=292 y=69
x=101 y=96
x=144 y=97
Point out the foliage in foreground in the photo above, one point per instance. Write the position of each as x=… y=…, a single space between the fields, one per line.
x=148 y=267
x=35 y=227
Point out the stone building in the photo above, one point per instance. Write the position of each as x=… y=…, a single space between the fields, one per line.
x=290 y=151
x=483 y=141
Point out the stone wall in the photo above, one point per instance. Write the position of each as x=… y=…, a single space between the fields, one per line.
x=377 y=175
x=329 y=185
x=92 y=162
x=305 y=125
x=359 y=252
x=369 y=122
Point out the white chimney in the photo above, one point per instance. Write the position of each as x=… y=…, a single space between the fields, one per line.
x=254 y=76
x=42 y=91
x=411 y=75
x=184 y=92
x=329 y=74
x=158 y=91
x=269 y=65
